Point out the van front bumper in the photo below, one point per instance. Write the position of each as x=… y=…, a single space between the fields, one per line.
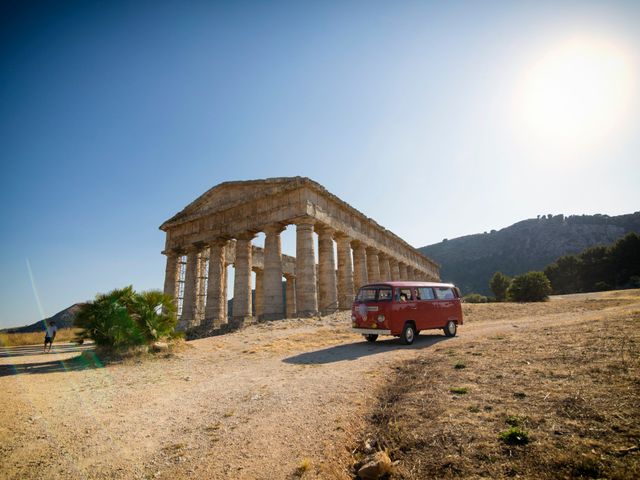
x=370 y=331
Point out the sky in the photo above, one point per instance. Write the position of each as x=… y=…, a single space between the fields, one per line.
x=436 y=119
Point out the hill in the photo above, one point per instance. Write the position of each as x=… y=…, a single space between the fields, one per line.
x=63 y=319
x=532 y=244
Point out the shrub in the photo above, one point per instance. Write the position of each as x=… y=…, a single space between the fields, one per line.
x=123 y=318
x=459 y=390
x=529 y=287
x=499 y=285
x=475 y=298
x=514 y=436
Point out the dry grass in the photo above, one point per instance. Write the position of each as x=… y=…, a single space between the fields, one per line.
x=540 y=402
x=35 y=338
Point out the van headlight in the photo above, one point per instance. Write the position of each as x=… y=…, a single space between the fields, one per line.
x=380 y=318
x=353 y=318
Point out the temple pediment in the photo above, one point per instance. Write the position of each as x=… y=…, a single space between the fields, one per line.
x=231 y=194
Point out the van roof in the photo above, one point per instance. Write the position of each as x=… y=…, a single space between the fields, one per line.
x=400 y=283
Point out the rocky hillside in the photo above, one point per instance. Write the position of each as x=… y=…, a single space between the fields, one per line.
x=470 y=261
x=63 y=319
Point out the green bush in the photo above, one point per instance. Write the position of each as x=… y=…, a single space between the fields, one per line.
x=475 y=298
x=123 y=318
x=529 y=287
x=514 y=436
x=499 y=285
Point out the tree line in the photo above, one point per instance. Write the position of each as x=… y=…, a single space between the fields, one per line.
x=592 y=270
x=598 y=268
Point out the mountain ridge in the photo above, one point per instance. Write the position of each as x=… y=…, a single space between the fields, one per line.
x=531 y=244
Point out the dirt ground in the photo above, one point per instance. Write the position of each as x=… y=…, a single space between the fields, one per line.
x=287 y=399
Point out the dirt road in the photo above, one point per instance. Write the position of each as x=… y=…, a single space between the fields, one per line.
x=278 y=400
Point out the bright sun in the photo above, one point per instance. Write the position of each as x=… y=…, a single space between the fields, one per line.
x=577 y=93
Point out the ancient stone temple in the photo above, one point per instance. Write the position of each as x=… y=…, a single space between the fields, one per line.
x=216 y=230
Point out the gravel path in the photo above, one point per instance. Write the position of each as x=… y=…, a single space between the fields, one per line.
x=277 y=400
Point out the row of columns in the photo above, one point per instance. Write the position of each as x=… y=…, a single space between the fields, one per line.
x=308 y=292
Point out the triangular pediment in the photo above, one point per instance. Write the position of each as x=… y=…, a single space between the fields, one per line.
x=231 y=194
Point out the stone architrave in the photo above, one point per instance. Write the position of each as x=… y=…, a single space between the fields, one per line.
x=214 y=314
x=360 y=276
x=328 y=293
x=273 y=303
x=306 y=295
x=242 y=281
x=345 y=273
x=373 y=266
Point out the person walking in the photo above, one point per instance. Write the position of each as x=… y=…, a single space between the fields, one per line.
x=49 y=335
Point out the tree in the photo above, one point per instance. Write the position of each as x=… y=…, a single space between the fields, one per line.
x=530 y=287
x=123 y=318
x=499 y=285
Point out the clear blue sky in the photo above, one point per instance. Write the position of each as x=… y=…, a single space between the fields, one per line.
x=435 y=119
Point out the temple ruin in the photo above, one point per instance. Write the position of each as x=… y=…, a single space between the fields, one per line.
x=216 y=230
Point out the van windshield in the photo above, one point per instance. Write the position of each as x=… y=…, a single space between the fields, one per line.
x=371 y=294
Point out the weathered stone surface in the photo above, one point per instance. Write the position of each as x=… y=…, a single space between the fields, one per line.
x=376 y=466
x=234 y=212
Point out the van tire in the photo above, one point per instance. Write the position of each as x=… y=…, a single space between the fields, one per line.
x=450 y=329
x=372 y=337
x=408 y=334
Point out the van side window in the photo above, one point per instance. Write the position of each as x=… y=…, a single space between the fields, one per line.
x=425 y=293
x=384 y=294
x=444 y=293
x=403 y=295
x=367 y=295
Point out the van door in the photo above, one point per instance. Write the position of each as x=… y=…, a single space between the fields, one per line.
x=446 y=301
x=405 y=307
x=427 y=309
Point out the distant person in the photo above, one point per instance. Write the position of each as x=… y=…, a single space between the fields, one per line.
x=49 y=335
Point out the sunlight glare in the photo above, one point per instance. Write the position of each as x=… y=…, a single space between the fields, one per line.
x=577 y=94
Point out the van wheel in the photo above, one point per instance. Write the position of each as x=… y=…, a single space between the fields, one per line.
x=372 y=337
x=408 y=334
x=450 y=329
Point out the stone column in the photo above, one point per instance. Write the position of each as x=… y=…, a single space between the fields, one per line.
x=259 y=298
x=225 y=293
x=345 y=273
x=306 y=295
x=214 y=314
x=328 y=297
x=291 y=296
x=189 y=302
x=273 y=306
x=201 y=296
x=373 y=265
x=403 y=271
x=172 y=276
x=360 y=277
x=242 y=281
x=395 y=269
x=385 y=268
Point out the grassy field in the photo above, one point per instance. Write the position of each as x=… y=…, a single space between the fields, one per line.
x=35 y=338
x=560 y=402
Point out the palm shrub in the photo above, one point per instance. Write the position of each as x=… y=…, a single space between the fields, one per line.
x=123 y=318
x=529 y=287
x=155 y=314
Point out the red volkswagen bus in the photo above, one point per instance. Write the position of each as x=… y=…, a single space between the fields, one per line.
x=404 y=309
